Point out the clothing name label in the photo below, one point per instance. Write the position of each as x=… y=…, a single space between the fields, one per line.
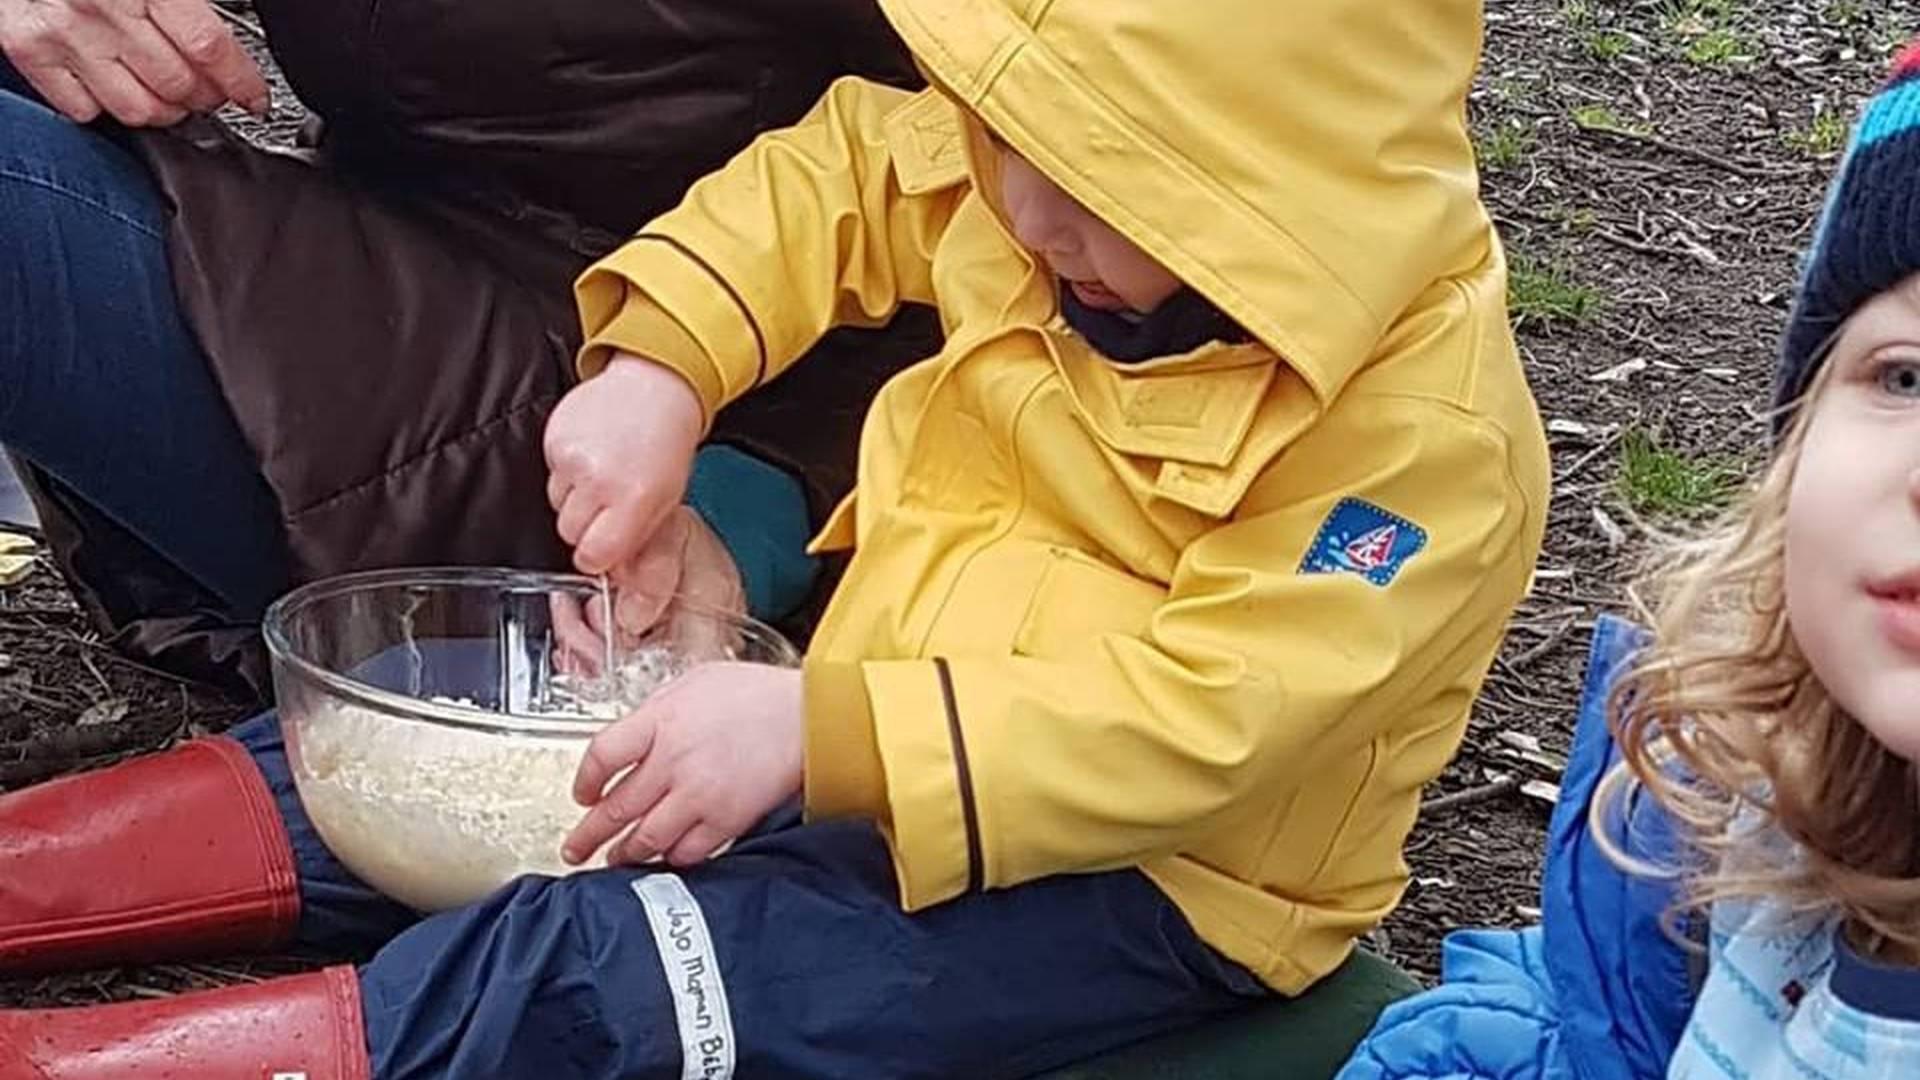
x=1362 y=539
x=707 y=1045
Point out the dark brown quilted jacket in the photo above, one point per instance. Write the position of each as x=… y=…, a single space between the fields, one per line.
x=391 y=321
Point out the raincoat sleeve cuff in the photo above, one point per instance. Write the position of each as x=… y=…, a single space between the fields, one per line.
x=934 y=822
x=655 y=299
x=844 y=777
x=641 y=329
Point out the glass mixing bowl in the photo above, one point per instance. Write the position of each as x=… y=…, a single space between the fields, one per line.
x=434 y=718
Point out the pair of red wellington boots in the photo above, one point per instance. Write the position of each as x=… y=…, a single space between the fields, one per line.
x=169 y=857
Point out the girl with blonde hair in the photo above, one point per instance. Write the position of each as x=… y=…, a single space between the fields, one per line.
x=1764 y=802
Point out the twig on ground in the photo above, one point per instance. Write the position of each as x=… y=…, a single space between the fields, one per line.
x=94 y=669
x=1542 y=647
x=1441 y=804
x=1579 y=463
x=34 y=698
x=1799 y=76
x=107 y=651
x=1690 y=249
x=1705 y=157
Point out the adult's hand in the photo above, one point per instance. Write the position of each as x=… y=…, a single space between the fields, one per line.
x=684 y=575
x=146 y=63
x=619 y=449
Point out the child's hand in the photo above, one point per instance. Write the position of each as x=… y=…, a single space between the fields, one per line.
x=712 y=753
x=619 y=447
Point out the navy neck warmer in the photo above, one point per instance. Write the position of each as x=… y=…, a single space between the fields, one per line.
x=1182 y=324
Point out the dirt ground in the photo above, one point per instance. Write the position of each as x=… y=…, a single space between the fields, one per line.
x=1653 y=166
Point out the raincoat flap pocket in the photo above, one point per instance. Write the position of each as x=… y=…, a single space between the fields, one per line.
x=1080 y=599
x=926 y=139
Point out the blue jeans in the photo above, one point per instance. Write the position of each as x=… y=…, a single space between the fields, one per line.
x=789 y=957
x=102 y=385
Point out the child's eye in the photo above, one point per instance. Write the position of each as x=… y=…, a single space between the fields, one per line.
x=1900 y=378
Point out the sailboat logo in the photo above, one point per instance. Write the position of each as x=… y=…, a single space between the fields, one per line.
x=1372 y=549
x=1361 y=538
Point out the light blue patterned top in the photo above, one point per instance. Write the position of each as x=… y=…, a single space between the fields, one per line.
x=1769 y=1009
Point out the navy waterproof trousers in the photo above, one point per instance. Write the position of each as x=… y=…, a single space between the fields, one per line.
x=788 y=957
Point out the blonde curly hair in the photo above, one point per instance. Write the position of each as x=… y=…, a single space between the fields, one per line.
x=1778 y=793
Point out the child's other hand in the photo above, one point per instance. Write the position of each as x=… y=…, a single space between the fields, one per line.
x=619 y=448
x=711 y=754
x=684 y=565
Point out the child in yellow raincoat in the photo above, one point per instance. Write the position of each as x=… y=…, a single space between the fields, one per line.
x=1189 y=550
x=1173 y=575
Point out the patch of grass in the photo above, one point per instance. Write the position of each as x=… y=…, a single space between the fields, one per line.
x=1581 y=220
x=1718 y=47
x=1509 y=90
x=1576 y=13
x=1542 y=292
x=1606 y=46
x=1596 y=118
x=1504 y=146
x=1824 y=136
x=1845 y=13
x=1656 y=480
x=1705 y=32
x=1603 y=118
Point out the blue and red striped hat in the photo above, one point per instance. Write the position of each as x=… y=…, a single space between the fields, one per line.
x=1868 y=239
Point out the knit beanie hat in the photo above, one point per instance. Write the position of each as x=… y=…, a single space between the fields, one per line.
x=1868 y=239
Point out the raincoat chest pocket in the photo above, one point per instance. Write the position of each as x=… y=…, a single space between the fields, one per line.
x=1206 y=424
x=1079 y=600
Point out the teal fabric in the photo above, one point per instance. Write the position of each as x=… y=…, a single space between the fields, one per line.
x=760 y=513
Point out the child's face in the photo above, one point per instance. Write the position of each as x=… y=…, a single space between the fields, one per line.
x=1853 y=523
x=1103 y=268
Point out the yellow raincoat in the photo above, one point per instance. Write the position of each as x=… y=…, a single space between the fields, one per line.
x=1216 y=615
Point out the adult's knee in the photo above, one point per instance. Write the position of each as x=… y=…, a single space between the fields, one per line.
x=55 y=171
x=84 y=235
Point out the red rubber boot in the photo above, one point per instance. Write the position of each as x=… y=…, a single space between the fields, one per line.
x=307 y=1027
x=169 y=856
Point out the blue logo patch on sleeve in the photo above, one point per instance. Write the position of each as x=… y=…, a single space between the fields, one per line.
x=1360 y=538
